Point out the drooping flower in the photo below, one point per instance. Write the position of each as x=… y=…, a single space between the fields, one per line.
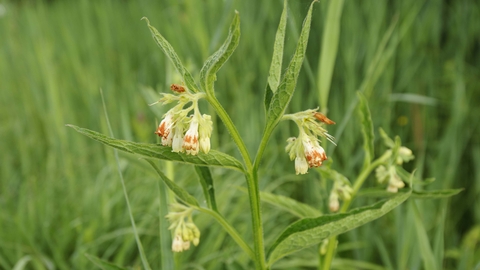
x=205 y=132
x=390 y=174
x=314 y=153
x=172 y=127
x=306 y=149
x=164 y=130
x=185 y=231
x=190 y=141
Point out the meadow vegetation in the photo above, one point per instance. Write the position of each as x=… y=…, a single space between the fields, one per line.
x=417 y=62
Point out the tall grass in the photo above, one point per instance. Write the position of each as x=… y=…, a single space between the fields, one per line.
x=416 y=61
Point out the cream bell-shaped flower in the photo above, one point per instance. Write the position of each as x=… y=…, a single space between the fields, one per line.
x=177 y=139
x=205 y=132
x=190 y=141
x=177 y=244
x=314 y=153
x=301 y=165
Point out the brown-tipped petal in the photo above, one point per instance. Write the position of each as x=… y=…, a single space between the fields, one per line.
x=322 y=118
x=177 y=88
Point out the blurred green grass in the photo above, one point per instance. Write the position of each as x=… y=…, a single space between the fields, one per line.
x=60 y=196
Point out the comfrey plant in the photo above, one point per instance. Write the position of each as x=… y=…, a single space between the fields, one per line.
x=185 y=137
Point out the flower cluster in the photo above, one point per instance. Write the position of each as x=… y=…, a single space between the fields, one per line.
x=388 y=173
x=340 y=190
x=305 y=149
x=184 y=230
x=182 y=132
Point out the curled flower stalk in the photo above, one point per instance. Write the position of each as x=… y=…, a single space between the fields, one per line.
x=305 y=149
x=183 y=132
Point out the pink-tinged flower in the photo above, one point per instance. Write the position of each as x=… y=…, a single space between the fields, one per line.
x=190 y=141
x=177 y=244
x=165 y=127
x=301 y=165
x=314 y=153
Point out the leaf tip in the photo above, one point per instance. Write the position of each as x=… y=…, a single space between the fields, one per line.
x=145 y=19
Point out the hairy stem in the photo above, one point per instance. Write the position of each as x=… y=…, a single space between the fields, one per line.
x=252 y=183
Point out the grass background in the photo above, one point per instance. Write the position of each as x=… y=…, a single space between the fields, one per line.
x=60 y=196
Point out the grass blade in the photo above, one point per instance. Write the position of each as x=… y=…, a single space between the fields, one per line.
x=331 y=35
x=206 y=180
x=104 y=265
x=143 y=257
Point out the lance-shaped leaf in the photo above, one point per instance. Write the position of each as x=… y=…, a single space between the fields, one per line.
x=213 y=158
x=367 y=128
x=104 y=265
x=311 y=231
x=277 y=58
x=206 y=180
x=172 y=55
x=285 y=90
x=436 y=194
x=421 y=194
x=216 y=60
x=295 y=207
x=181 y=193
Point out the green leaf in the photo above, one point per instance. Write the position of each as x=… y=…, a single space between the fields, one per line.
x=206 y=181
x=277 y=58
x=422 y=241
x=331 y=36
x=181 y=193
x=416 y=181
x=367 y=129
x=276 y=64
x=216 y=60
x=285 y=91
x=436 y=194
x=311 y=231
x=388 y=141
x=213 y=158
x=295 y=207
x=430 y=194
x=104 y=265
x=172 y=55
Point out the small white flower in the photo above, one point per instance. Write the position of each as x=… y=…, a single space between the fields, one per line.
x=314 y=153
x=333 y=202
x=205 y=132
x=177 y=244
x=301 y=165
x=404 y=155
x=190 y=141
x=177 y=139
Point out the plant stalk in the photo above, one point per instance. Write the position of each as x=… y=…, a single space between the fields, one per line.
x=252 y=183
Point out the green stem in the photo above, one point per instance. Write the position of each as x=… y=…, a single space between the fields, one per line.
x=230 y=230
x=332 y=242
x=252 y=183
x=232 y=129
